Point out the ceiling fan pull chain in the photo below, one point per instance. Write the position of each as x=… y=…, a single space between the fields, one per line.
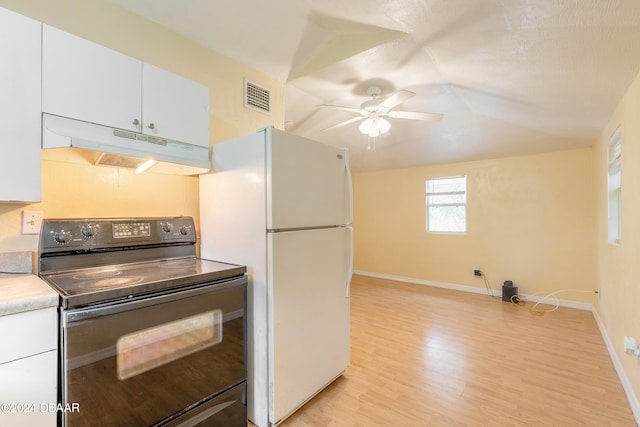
x=371 y=143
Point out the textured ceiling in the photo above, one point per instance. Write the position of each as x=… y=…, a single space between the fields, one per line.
x=511 y=77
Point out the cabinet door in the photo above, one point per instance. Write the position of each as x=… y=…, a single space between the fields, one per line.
x=27 y=333
x=19 y=107
x=85 y=81
x=174 y=107
x=28 y=389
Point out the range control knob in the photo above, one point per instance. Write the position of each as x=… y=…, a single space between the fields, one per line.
x=184 y=230
x=62 y=237
x=87 y=231
x=167 y=227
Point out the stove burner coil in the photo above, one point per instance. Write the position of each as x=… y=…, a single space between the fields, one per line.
x=96 y=275
x=114 y=282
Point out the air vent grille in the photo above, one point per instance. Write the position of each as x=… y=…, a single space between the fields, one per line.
x=157 y=141
x=256 y=97
x=124 y=134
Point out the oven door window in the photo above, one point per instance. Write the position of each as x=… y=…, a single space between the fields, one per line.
x=141 y=362
x=150 y=348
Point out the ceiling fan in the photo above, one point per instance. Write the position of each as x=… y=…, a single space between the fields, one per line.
x=373 y=112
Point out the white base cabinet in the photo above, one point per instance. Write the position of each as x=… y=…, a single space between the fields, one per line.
x=29 y=368
x=28 y=391
x=19 y=107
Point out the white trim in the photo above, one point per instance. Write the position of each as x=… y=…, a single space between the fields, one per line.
x=626 y=384
x=475 y=290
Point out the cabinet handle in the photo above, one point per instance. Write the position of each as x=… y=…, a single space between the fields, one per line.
x=152 y=126
x=135 y=122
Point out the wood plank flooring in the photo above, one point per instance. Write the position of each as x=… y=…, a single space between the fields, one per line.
x=423 y=356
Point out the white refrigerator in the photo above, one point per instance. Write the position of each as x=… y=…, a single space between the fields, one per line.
x=282 y=205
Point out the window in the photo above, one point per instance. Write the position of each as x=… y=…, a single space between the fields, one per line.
x=615 y=187
x=447 y=204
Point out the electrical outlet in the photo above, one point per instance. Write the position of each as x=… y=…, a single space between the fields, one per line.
x=31 y=222
x=631 y=346
x=477 y=273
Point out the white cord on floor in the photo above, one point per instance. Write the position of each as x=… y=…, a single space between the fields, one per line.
x=533 y=310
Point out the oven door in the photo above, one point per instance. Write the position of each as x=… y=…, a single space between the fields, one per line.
x=157 y=360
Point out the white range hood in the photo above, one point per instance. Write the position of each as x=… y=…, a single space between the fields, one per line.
x=120 y=148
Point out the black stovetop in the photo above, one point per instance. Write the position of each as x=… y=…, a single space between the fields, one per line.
x=93 y=261
x=108 y=283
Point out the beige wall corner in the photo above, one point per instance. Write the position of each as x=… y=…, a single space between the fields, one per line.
x=618 y=266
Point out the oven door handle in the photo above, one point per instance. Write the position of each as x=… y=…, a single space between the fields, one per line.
x=141 y=301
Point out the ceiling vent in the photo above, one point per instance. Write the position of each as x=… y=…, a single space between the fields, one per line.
x=256 y=97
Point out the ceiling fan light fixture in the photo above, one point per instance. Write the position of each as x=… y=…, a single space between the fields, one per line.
x=383 y=125
x=374 y=127
x=368 y=127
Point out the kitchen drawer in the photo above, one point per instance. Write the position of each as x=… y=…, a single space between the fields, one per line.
x=28 y=333
x=28 y=391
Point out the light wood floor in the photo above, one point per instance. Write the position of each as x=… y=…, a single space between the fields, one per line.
x=423 y=356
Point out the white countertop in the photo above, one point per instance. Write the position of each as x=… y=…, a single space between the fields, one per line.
x=24 y=292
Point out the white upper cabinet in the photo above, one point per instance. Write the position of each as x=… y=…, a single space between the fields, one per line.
x=174 y=107
x=19 y=107
x=85 y=81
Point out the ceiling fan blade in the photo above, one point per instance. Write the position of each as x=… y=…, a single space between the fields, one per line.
x=415 y=115
x=340 y=107
x=396 y=98
x=346 y=122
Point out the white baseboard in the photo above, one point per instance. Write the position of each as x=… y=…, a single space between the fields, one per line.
x=631 y=396
x=626 y=384
x=477 y=290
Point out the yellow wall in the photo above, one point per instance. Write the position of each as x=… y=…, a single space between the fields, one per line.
x=618 y=267
x=529 y=220
x=70 y=190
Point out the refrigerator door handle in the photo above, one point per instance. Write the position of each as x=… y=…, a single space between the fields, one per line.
x=350 y=271
x=350 y=184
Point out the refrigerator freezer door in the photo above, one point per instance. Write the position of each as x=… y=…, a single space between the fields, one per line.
x=308 y=315
x=308 y=183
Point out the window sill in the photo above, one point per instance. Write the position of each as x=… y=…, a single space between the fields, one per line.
x=453 y=233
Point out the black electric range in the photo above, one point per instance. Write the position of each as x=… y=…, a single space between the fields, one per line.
x=91 y=261
x=141 y=315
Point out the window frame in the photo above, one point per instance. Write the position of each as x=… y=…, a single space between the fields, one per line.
x=614 y=188
x=429 y=205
